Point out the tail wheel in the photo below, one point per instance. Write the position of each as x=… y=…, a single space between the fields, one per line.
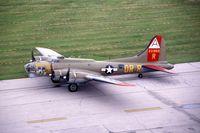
x=73 y=87
x=140 y=75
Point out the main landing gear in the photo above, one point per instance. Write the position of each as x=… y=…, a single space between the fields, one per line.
x=73 y=87
x=140 y=75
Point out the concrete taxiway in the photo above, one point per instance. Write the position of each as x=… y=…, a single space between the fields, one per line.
x=159 y=102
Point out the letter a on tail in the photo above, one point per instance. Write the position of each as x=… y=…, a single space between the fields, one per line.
x=154 y=49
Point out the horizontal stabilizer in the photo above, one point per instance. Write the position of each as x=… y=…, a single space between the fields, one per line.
x=157 y=68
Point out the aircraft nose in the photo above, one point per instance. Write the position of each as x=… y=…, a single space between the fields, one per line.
x=29 y=68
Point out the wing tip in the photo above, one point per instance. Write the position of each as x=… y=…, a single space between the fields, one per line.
x=124 y=84
x=172 y=72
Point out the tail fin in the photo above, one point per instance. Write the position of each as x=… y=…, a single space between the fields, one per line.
x=155 y=51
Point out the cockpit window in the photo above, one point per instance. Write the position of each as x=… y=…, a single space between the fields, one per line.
x=41 y=68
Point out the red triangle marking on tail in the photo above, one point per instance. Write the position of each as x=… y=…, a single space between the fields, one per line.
x=154 y=49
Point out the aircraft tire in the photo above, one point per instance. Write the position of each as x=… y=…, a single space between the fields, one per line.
x=140 y=75
x=73 y=87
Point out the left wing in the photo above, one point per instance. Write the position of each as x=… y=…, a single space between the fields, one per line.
x=106 y=80
x=90 y=75
x=49 y=53
x=158 y=68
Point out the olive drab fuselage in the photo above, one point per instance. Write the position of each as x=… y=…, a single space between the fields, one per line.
x=102 y=67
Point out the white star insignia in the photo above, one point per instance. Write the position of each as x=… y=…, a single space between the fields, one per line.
x=109 y=69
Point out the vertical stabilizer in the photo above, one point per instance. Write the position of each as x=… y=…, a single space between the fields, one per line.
x=154 y=52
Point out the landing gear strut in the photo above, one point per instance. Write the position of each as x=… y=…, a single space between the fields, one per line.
x=73 y=87
x=55 y=81
x=140 y=75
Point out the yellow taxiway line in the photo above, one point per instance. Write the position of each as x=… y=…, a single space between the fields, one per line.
x=46 y=120
x=142 y=109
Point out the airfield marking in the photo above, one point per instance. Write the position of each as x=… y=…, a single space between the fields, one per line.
x=46 y=120
x=142 y=109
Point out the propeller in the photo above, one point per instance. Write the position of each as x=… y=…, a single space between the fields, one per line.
x=32 y=56
x=67 y=75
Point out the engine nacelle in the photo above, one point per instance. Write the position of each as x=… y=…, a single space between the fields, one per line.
x=55 y=76
x=67 y=75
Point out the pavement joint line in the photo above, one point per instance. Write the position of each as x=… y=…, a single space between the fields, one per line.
x=46 y=120
x=142 y=109
x=6 y=106
x=159 y=127
x=173 y=104
x=190 y=106
x=30 y=88
x=107 y=129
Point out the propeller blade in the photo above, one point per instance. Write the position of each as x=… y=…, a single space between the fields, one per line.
x=32 y=55
x=68 y=74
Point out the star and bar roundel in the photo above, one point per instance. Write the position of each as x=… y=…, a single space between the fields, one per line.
x=109 y=69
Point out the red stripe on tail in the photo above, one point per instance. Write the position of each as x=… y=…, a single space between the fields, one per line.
x=154 y=49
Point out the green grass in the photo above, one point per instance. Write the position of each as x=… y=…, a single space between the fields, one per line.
x=99 y=29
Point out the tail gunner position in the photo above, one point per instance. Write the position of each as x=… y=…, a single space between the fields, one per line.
x=75 y=70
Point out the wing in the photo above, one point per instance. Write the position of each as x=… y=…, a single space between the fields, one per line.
x=106 y=80
x=49 y=53
x=90 y=75
x=157 y=68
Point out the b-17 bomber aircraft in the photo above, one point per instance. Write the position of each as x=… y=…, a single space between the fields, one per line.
x=74 y=71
